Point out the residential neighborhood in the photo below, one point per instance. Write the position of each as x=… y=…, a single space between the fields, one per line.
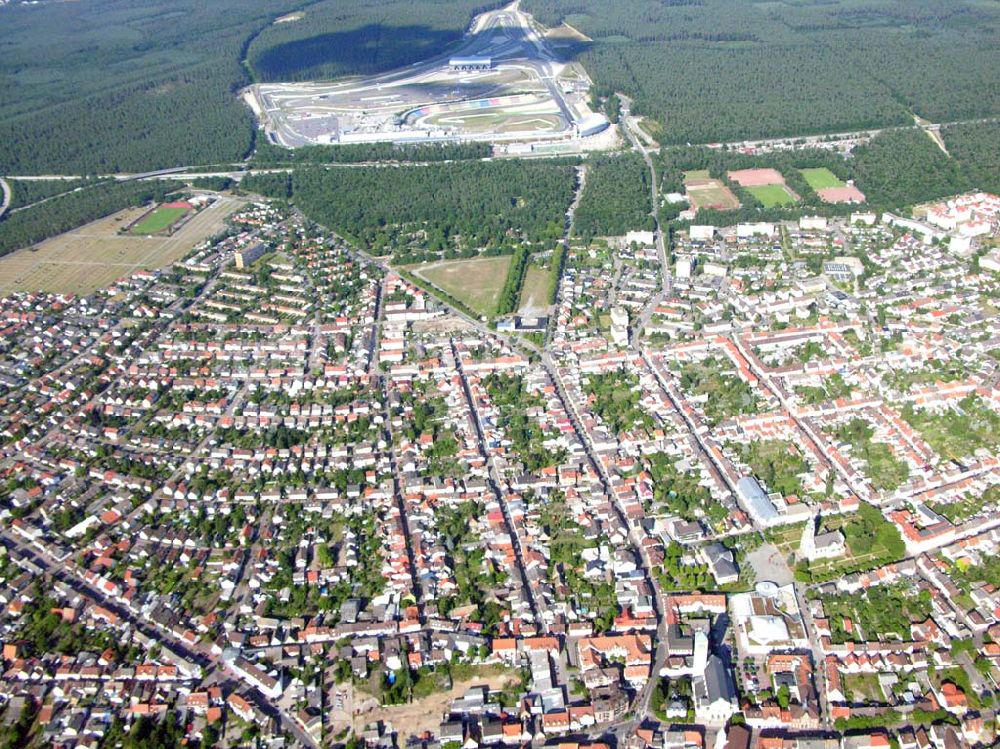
x=743 y=492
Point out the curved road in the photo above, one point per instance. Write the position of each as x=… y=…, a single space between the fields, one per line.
x=7 y=196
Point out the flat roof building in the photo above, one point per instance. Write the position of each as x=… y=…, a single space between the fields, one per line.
x=475 y=62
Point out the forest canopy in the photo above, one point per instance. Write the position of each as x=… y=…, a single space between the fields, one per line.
x=477 y=205
x=726 y=70
x=143 y=85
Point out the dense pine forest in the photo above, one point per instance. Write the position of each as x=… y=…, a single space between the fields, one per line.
x=616 y=197
x=146 y=85
x=906 y=167
x=354 y=153
x=977 y=148
x=28 y=192
x=721 y=70
x=478 y=206
x=334 y=37
x=124 y=86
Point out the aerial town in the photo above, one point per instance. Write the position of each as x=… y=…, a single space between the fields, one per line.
x=746 y=495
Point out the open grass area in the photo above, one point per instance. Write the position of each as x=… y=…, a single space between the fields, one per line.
x=786 y=538
x=771 y=195
x=822 y=178
x=863 y=688
x=652 y=128
x=424 y=713
x=96 y=255
x=713 y=196
x=535 y=290
x=159 y=220
x=476 y=282
x=706 y=192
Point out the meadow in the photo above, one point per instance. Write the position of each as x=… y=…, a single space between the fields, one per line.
x=476 y=282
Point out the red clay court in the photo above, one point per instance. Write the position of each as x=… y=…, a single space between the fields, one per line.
x=846 y=194
x=756 y=177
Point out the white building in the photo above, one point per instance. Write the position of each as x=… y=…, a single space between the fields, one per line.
x=760 y=229
x=701 y=232
x=641 y=238
x=619 y=326
x=812 y=223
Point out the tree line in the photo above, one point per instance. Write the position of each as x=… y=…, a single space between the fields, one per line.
x=510 y=294
x=268 y=154
x=976 y=147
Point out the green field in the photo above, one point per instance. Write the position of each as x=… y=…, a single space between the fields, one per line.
x=535 y=289
x=771 y=195
x=159 y=220
x=475 y=282
x=820 y=179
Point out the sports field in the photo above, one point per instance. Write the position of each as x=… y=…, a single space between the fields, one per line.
x=756 y=177
x=706 y=192
x=476 y=282
x=820 y=179
x=159 y=220
x=98 y=254
x=771 y=195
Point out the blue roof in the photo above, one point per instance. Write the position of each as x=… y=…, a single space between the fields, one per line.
x=752 y=494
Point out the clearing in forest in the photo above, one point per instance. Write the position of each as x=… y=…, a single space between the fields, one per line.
x=535 y=290
x=756 y=177
x=821 y=178
x=772 y=195
x=706 y=192
x=830 y=188
x=476 y=282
